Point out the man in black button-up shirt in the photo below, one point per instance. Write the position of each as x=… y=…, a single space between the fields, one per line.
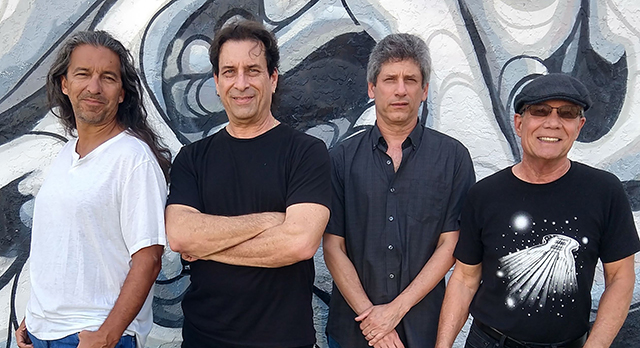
x=398 y=192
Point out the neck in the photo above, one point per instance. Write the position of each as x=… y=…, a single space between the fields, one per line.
x=91 y=136
x=396 y=134
x=543 y=172
x=253 y=129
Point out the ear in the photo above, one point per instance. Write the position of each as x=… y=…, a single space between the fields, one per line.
x=582 y=122
x=121 y=99
x=517 y=123
x=274 y=80
x=215 y=79
x=63 y=85
x=425 y=92
x=371 y=90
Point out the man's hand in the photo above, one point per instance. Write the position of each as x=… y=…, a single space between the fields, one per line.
x=378 y=321
x=391 y=340
x=188 y=257
x=22 y=339
x=95 y=339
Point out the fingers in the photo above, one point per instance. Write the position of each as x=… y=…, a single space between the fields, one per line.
x=22 y=338
x=364 y=314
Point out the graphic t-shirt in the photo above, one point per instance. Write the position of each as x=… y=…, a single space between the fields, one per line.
x=539 y=245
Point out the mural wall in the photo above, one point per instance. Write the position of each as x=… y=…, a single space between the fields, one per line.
x=482 y=51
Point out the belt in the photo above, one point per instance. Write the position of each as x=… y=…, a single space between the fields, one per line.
x=513 y=343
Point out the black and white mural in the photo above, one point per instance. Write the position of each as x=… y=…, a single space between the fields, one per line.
x=482 y=52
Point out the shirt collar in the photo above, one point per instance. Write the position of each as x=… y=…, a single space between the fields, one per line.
x=413 y=140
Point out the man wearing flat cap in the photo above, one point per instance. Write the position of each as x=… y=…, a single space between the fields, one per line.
x=531 y=235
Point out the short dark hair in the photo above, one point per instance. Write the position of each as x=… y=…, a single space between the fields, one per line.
x=242 y=30
x=131 y=115
x=397 y=47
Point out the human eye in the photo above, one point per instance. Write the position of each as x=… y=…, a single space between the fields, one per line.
x=540 y=110
x=569 y=111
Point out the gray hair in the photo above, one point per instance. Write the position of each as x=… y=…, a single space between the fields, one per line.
x=397 y=47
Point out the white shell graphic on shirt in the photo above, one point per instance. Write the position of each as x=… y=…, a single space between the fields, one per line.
x=541 y=272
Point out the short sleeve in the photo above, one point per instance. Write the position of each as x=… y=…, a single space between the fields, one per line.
x=142 y=207
x=620 y=237
x=309 y=180
x=464 y=178
x=469 y=249
x=337 y=222
x=183 y=183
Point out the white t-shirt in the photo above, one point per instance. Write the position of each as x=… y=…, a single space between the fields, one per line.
x=90 y=216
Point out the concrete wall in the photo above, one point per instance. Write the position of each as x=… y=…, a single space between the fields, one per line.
x=482 y=53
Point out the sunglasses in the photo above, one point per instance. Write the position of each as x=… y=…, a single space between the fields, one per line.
x=565 y=111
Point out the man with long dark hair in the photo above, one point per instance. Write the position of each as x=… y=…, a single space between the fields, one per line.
x=98 y=231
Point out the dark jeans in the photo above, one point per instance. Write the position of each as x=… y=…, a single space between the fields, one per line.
x=72 y=341
x=479 y=339
x=332 y=343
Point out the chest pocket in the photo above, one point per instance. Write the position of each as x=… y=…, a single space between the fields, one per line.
x=423 y=201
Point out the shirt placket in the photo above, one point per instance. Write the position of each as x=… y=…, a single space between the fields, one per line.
x=391 y=246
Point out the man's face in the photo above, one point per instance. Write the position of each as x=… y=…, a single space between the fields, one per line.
x=93 y=85
x=547 y=138
x=398 y=92
x=243 y=82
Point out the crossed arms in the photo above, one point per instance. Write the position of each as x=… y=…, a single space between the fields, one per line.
x=269 y=239
x=378 y=322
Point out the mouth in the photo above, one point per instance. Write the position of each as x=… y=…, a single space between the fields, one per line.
x=549 y=139
x=242 y=99
x=93 y=101
x=399 y=104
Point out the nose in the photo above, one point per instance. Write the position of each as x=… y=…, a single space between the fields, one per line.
x=242 y=81
x=94 y=86
x=401 y=88
x=553 y=119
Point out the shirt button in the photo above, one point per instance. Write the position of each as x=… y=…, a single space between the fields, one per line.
x=391 y=275
x=393 y=189
x=390 y=247
x=390 y=218
x=388 y=162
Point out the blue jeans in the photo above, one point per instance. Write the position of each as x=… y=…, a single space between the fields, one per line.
x=72 y=341
x=332 y=343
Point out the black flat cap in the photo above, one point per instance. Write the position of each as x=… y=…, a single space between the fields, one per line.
x=553 y=86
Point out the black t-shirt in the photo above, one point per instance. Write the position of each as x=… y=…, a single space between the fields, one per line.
x=539 y=245
x=236 y=306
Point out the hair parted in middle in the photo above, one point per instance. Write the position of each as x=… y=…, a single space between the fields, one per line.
x=398 y=47
x=242 y=30
x=131 y=115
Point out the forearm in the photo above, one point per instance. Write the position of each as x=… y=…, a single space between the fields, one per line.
x=431 y=274
x=199 y=235
x=613 y=308
x=295 y=240
x=345 y=275
x=145 y=267
x=463 y=284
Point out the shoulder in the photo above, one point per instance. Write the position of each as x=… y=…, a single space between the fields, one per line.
x=586 y=172
x=299 y=144
x=492 y=183
x=351 y=144
x=133 y=148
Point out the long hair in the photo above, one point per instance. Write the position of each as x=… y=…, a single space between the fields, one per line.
x=131 y=115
